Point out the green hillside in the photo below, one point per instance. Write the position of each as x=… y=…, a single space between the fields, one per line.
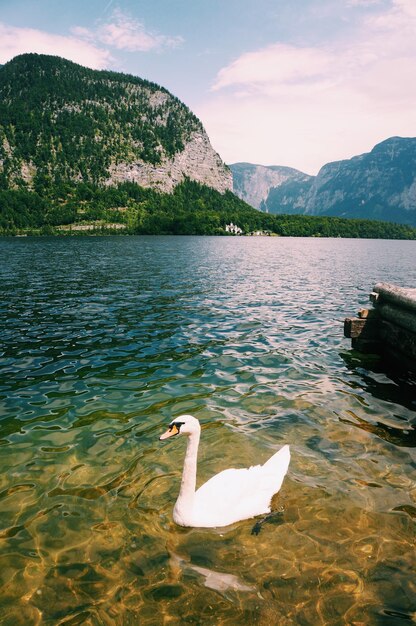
x=61 y=122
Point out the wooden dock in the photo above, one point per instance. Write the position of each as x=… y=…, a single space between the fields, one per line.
x=389 y=328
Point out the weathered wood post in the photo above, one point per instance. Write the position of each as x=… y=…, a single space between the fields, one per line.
x=389 y=328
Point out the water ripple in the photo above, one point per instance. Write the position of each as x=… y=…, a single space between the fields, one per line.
x=104 y=340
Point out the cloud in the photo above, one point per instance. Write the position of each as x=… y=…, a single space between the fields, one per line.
x=123 y=32
x=402 y=14
x=278 y=64
x=307 y=105
x=89 y=47
x=15 y=41
x=362 y=3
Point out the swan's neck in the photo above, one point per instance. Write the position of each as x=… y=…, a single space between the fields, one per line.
x=182 y=513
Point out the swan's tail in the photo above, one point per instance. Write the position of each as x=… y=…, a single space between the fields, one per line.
x=278 y=464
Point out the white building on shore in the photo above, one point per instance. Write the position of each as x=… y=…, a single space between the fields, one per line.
x=233 y=229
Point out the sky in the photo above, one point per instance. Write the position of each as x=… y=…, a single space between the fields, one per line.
x=298 y=83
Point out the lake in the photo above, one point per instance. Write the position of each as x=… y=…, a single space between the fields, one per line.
x=105 y=340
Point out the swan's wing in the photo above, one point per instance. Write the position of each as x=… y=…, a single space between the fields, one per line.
x=237 y=494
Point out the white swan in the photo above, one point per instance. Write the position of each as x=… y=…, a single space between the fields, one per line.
x=231 y=495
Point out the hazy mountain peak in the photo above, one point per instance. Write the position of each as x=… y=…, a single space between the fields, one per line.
x=253 y=182
x=380 y=184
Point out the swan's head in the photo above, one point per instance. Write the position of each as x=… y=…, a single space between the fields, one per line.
x=182 y=425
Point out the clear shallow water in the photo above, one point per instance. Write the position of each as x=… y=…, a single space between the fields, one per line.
x=105 y=340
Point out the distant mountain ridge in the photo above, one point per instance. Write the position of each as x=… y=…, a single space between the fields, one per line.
x=380 y=184
x=253 y=182
x=64 y=123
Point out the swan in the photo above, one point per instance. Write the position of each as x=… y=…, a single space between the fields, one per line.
x=230 y=496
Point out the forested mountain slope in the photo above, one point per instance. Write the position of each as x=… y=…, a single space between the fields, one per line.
x=63 y=123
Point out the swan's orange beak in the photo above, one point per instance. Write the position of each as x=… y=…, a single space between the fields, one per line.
x=172 y=430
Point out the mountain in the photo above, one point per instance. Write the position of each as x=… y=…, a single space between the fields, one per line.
x=380 y=184
x=252 y=183
x=377 y=185
x=63 y=123
x=92 y=152
x=289 y=198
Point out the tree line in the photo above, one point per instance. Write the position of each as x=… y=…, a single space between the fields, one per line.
x=192 y=209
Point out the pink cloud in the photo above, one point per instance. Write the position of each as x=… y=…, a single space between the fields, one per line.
x=15 y=41
x=278 y=64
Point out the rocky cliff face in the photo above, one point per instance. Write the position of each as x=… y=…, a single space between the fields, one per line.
x=380 y=184
x=290 y=197
x=253 y=183
x=63 y=123
x=377 y=185
x=197 y=161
